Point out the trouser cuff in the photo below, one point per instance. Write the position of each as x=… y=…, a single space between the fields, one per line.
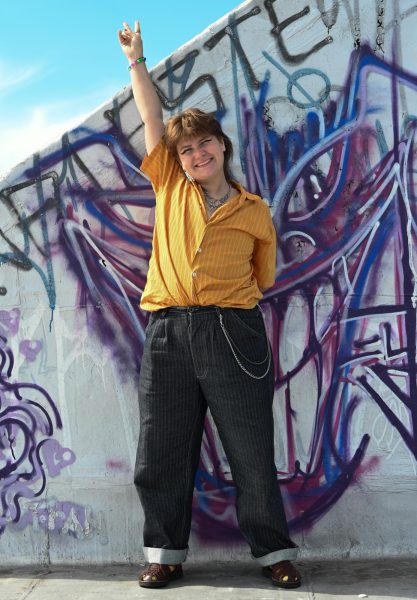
x=273 y=557
x=165 y=556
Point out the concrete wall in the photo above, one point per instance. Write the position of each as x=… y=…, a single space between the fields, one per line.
x=320 y=98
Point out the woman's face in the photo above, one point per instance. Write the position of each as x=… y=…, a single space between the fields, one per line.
x=202 y=156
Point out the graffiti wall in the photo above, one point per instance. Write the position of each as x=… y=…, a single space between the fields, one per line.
x=320 y=98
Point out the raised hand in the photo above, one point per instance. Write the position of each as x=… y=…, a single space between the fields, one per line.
x=131 y=41
x=146 y=99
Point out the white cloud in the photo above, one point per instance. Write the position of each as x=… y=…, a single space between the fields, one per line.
x=21 y=139
x=12 y=76
x=38 y=127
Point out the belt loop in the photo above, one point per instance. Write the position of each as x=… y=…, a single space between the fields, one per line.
x=163 y=313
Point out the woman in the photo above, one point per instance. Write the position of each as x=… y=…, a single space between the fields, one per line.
x=214 y=251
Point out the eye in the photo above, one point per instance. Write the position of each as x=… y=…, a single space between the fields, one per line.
x=206 y=141
x=186 y=151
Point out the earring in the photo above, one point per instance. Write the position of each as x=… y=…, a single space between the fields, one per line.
x=188 y=176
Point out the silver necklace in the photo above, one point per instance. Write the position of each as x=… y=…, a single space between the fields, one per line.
x=214 y=203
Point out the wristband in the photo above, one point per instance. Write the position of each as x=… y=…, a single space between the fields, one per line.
x=136 y=62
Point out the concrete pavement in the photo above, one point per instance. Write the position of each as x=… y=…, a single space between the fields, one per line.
x=347 y=580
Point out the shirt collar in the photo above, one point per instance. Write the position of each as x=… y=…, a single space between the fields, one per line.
x=244 y=194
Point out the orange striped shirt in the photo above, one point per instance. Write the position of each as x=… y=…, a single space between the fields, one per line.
x=196 y=260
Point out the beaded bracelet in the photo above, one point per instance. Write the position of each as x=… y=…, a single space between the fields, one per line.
x=136 y=62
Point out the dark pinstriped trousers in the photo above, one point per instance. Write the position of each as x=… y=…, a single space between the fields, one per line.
x=188 y=364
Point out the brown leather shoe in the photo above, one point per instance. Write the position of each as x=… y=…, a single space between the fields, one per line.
x=283 y=574
x=155 y=575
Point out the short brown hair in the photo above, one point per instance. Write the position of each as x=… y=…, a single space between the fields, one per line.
x=194 y=121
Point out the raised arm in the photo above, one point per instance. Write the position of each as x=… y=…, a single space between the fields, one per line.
x=144 y=93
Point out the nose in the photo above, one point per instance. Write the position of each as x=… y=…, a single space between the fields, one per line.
x=199 y=154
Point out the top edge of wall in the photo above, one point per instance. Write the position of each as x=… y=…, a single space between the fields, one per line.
x=13 y=172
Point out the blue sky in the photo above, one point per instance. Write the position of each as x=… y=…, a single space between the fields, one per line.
x=61 y=59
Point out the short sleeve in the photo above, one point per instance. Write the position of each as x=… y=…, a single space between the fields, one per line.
x=265 y=254
x=160 y=166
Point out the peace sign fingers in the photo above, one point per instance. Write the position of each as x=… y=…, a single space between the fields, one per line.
x=131 y=41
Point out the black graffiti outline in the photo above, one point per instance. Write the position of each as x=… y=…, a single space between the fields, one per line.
x=231 y=31
x=278 y=28
x=187 y=62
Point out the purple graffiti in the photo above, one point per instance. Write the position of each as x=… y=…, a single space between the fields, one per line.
x=30 y=349
x=9 y=321
x=57 y=517
x=113 y=464
x=28 y=452
x=345 y=220
x=342 y=193
x=337 y=230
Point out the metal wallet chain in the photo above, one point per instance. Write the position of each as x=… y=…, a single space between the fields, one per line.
x=233 y=346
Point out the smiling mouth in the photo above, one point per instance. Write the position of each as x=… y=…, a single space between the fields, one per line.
x=203 y=164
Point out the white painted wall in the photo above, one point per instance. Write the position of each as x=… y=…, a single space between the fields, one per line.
x=344 y=208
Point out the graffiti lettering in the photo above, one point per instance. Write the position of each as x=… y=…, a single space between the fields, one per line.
x=232 y=32
x=278 y=29
x=339 y=177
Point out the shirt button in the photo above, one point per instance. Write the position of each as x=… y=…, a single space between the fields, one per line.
x=194 y=273
x=199 y=250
